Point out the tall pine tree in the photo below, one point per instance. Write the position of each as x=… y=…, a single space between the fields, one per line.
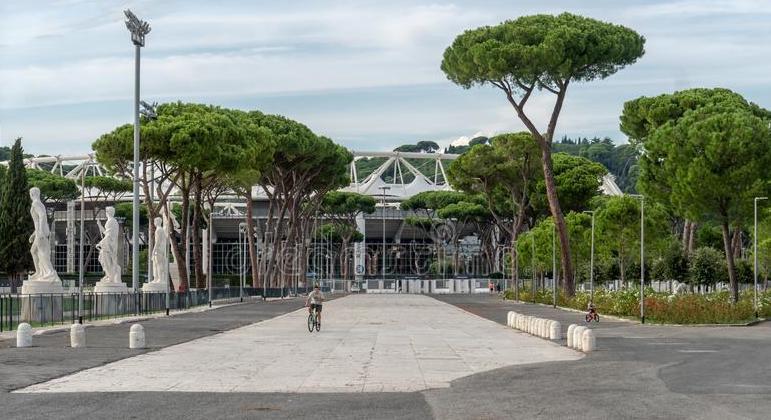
x=15 y=220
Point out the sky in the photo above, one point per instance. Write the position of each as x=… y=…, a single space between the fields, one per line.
x=365 y=73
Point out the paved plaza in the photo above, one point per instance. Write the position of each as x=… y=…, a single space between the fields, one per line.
x=385 y=357
x=369 y=343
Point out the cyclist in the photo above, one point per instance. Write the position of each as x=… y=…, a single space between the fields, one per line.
x=315 y=299
x=592 y=311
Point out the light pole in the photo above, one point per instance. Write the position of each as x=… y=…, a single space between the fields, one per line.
x=80 y=245
x=642 y=256
x=210 y=265
x=138 y=29
x=241 y=259
x=591 y=263
x=532 y=278
x=554 y=264
x=384 y=189
x=755 y=253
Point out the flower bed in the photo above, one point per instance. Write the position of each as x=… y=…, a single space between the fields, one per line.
x=664 y=308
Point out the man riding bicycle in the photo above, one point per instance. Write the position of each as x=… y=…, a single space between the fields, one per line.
x=315 y=298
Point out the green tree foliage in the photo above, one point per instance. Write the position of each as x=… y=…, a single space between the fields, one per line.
x=620 y=160
x=343 y=208
x=704 y=137
x=419 y=147
x=505 y=172
x=618 y=231
x=53 y=188
x=707 y=267
x=578 y=181
x=15 y=220
x=542 y=53
x=672 y=264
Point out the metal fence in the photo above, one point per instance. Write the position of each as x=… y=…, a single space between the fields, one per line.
x=58 y=309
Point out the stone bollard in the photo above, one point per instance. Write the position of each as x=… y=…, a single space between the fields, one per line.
x=24 y=335
x=577 y=333
x=77 y=336
x=571 y=328
x=541 y=324
x=587 y=341
x=545 y=329
x=555 y=331
x=137 y=337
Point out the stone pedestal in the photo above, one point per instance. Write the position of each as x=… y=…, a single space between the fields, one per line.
x=41 y=301
x=111 y=298
x=154 y=287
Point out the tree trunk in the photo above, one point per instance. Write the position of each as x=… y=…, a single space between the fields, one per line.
x=730 y=262
x=200 y=282
x=559 y=219
x=736 y=242
x=692 y=238
x=686 y=233
x=250 y=239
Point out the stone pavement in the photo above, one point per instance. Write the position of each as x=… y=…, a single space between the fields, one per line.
x=368 y=343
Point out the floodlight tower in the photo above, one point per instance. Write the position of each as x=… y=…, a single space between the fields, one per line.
x=138 y=29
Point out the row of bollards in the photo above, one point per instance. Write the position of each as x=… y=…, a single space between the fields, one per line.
x=78 y=336
x=578 y=337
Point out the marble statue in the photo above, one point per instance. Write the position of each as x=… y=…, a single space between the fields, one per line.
x=160 y=253
x=109 y=248
x=41 y=245
x=160 y=258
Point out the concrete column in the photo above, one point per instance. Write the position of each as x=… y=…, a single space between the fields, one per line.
x=555 y=332
x=588 y=341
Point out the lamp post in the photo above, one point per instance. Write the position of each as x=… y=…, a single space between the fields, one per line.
x=554 y=264
x=210 y=264
x=138 y=29
x=532 y=278
x=241 y=259
x=642 y=256
x=591 y=262
x=384 y=189
x=80 y=245
x=755 y=254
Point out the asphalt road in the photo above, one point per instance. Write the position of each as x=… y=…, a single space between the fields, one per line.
x=638 y=372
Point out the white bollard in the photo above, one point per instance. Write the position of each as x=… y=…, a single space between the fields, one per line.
x=24 y=335
x=530 y=325
x=77 y=336
x=571 y=328
x=137 y=337
x=545 y=329
x=587 y=341
x=555 y=330
x=540 y=327
x=577 y=333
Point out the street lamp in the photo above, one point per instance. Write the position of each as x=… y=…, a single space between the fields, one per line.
x=138 y=29
x=642 y=256
x=80 y=245
x=241 y=259
x=755 y=253
x=554 y=264
x=591 y=262
x=384 y=189
x=210 y=265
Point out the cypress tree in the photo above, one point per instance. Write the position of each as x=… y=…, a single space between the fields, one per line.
x=15 y=220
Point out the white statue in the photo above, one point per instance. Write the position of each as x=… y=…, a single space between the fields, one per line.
x=41 y=245
x=108 y=248
x=160 y=253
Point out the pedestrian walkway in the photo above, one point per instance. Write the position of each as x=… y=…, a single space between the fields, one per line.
x=368 y=343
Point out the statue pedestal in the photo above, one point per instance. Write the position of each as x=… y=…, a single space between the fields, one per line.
x=154 y=287
x=111 y=298
x=104 y=286
x=41 y=301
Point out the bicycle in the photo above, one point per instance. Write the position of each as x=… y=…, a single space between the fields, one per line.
x=592 y=316
x=313 y=321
